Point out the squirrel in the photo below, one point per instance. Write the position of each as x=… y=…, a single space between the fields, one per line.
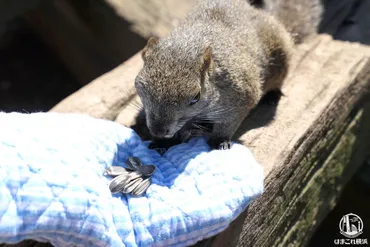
x=216 y=65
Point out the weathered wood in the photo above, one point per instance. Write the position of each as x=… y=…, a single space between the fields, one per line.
x=152 y=17
x=106 y=96
x=321 y=192
x=310 y=192
x=292 y=142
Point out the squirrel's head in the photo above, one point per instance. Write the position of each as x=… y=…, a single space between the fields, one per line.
x=174 y=84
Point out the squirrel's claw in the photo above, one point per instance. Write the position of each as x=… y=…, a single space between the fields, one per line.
x=219 y=143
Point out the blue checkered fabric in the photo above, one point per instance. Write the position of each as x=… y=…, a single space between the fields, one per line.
x=52 y=187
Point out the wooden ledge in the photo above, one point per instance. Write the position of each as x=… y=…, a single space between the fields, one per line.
x=309 y=145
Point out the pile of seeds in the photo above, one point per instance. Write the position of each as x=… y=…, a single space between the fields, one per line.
x=134 y=180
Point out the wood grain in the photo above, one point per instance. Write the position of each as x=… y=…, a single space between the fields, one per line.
x=152 y=17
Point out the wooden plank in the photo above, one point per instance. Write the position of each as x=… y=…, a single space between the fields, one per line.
x=152 y=17
x=106 y=96
x=292 y=141
x=309 y=193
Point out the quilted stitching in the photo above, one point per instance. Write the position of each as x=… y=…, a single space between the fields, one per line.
x=52 y=186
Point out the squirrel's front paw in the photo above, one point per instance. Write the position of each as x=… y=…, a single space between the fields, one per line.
x=219 y=143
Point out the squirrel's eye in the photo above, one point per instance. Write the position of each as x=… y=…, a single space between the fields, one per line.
x=195 y=99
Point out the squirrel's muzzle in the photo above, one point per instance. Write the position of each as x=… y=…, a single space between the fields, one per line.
x=160 y=130
x=162 y=124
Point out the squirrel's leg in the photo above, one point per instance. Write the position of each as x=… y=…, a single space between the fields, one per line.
x=222 y=133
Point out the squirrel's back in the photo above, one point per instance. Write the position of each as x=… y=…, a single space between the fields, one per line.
x=300 y=17
x=242 y=38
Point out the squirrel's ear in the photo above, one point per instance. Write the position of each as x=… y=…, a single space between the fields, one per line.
x=206 y=59
x=149 y=46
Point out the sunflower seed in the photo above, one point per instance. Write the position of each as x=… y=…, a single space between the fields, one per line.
x=133 y=175
x=118 y=183
x=135 y=179
x=133 y=162
x=146 y=170
x=115 y=171
x=142 y=187
x=130 y=185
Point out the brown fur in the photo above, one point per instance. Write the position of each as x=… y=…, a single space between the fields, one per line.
x=300 y=17
x=226 y=50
